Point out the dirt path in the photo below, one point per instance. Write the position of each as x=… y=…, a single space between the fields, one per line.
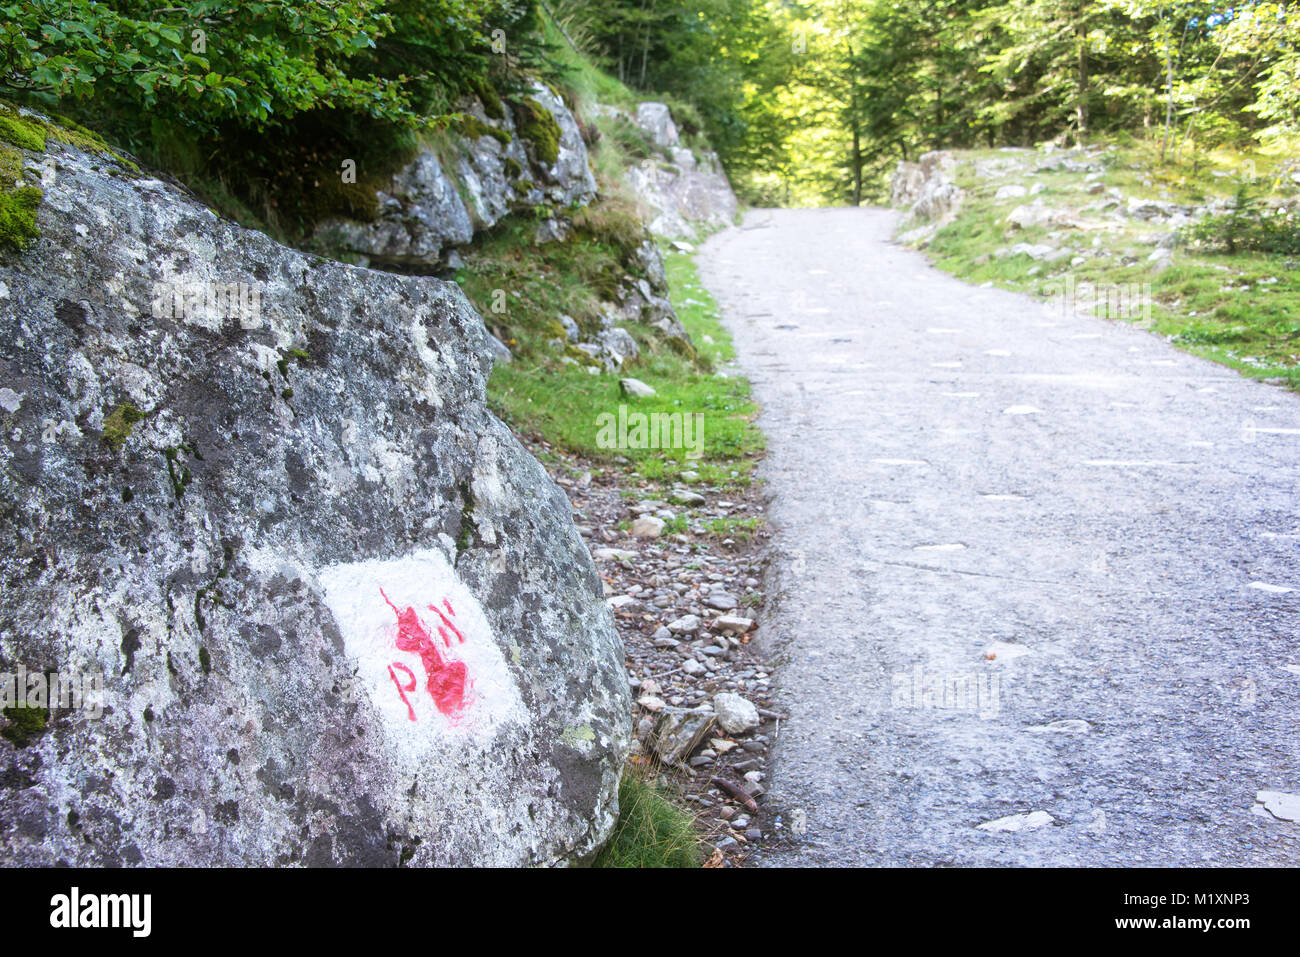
x=954 y=467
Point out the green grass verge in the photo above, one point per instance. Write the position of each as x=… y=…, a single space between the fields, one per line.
x=540 y=392
x=652 y=831
x=1241 y=309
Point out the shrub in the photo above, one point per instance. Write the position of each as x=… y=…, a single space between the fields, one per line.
x=1252 y=226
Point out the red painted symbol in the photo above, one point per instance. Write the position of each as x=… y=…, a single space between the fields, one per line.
x=400 y=690
x=447 y=680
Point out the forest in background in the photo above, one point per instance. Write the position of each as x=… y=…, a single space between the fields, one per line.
x=807 y=102
x=814 y=102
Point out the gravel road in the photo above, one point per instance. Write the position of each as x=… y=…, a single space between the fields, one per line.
x=1029 y=565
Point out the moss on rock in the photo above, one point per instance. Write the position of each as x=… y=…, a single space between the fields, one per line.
x=474 y=128
x=22 y=131
x=538 y=127
x=492 y=104
x=119 y=423
x=24 y=725
x=18 y=207
x=18 y=200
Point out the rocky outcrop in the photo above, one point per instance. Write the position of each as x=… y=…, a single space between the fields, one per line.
x=530 y=154
x=642 y=300
x=684 y=190
x=925 y=188
x=342 y=617
x=420 y=215
x=568 y=178
x=928 y=195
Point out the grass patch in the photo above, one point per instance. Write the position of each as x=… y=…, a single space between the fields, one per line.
x=738 y=529
x=521 y=289
x=652 y=831
x=1240 y=309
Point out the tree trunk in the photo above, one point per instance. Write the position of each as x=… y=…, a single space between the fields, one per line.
x=645 y=43
x=1081 y=89
x=855 y=123
x=857 y=165
x=1169 y=102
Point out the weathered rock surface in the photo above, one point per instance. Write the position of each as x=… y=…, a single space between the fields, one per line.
x=736 y=715
x=926 y=190
x=205 y=507
x=485 y=167
x=420 y=215
x=423 y=214
x=569 y=179
x=683 y=190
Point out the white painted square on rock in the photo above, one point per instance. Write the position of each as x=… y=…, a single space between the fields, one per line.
x=437 y=610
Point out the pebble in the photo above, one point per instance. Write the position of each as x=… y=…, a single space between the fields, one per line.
x=1285 y=807
x=647 y=526
x=732 y=624
x=1018 y=822
x=687 y=497
x=721 y=601
x=736 y=715
x=686 y=625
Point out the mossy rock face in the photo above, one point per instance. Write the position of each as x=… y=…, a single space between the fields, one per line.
x=492 y=104
x=513 y=169
x=538 y=127
x=18 y=200
x=475 y=128
x=333 y=197
x=581 y=356
x=21 y=131
x=18 y=215
x=31 y=133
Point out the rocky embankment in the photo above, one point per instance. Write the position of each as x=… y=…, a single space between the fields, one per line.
x=1059 y=198
x=685 y=190
x=520 y=156
x=686 y=605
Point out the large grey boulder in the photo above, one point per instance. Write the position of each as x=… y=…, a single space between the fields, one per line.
x=684 y=191
x=342 y=616
x=657 y=121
